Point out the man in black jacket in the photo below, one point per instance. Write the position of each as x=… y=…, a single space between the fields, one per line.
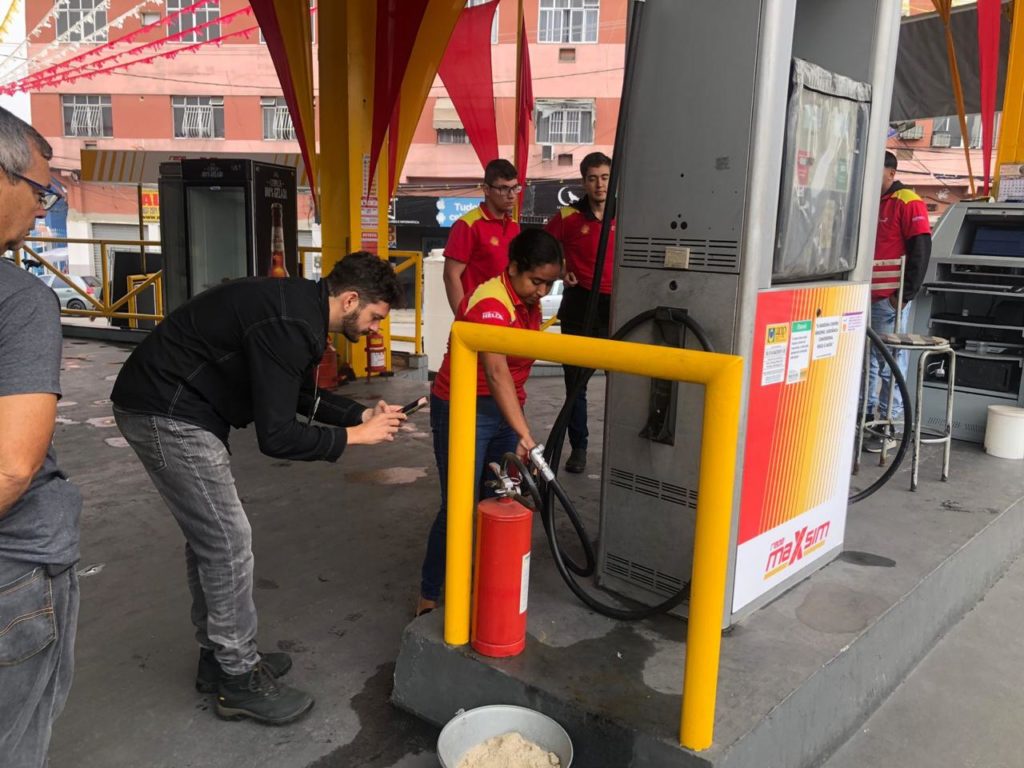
x=246 y=352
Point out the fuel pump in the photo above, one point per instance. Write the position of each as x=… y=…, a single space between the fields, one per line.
x=743 y=208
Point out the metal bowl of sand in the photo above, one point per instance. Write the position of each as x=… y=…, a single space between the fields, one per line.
x=502 y=735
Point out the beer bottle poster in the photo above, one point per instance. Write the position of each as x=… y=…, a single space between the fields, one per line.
x=275 y=199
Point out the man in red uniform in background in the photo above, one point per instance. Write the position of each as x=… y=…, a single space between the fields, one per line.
x=477 y=247
x=578 y=228
x=903 y=230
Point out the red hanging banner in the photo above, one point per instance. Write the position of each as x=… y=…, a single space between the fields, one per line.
x=525 y=101
x=988 y=68
x=398 y=21
x=466 y=73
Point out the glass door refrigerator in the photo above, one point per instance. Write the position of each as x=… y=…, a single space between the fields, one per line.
x=223 y=219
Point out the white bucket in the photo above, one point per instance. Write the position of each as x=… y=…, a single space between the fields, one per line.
x=475 y=726
x=1004 y=432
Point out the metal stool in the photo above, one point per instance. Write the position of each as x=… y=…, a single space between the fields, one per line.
x=928 y=346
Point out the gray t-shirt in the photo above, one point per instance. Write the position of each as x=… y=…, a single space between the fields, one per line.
x=42 y=526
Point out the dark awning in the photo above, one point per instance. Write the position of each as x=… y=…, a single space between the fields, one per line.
x=923 y=87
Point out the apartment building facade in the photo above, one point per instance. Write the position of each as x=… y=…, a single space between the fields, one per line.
x=225 y=99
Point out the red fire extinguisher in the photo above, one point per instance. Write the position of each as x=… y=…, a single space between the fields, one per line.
x=376 y=359
x=502 y=578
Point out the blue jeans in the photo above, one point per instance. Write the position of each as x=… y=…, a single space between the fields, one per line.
x=191 y=469
x=38 y=619
x=571 y=316
x=494 y=438
x=883 y=319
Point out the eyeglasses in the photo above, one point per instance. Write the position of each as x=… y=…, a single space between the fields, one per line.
x=513 y=190
x=48 y=196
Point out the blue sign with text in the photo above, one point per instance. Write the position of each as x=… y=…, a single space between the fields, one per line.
x=451 y=209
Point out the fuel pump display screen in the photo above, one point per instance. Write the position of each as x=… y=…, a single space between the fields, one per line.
x=819 y=204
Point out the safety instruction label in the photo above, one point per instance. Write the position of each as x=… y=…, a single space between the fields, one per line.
x=776 y=344
x=524 y=584
x=826 y=337
x=853 y=321
x=799 y=352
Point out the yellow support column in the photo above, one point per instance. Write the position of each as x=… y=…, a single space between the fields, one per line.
x=1011 y=128
x=339 y=84
x=349 y=222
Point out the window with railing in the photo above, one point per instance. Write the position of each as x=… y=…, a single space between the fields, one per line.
x=193 y=18
x=568 y=21
x=87 y=115
x=565 y=122
x=946 y=132
x=81 y=21
x=198 y=117
x=452 y=136
x=277 y=122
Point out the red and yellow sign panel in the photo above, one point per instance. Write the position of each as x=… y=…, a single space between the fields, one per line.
x=805 y=372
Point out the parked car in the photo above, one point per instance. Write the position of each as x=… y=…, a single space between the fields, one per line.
x=68 y=296
x=549 y=304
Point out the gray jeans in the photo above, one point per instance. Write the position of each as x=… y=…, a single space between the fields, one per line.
x=38 y=617
x=191 y=469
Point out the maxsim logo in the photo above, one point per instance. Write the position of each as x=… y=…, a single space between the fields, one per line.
x=787 y=552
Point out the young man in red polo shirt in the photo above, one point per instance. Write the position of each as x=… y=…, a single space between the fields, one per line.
x=578 y=228
x=903 y=230
x=477 y=247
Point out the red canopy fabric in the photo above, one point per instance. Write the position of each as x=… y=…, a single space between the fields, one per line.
x=988 y=67
x=525 y=99
x=398 y=21
x=466 y=73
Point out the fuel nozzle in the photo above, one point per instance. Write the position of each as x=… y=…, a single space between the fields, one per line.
x=538 y=460
x=504 y=485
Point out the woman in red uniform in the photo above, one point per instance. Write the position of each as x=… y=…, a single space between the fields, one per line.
x=510 y=300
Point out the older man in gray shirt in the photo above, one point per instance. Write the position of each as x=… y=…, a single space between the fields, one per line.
x=39 y=508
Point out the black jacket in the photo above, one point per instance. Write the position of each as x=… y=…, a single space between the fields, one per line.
x=242 y=352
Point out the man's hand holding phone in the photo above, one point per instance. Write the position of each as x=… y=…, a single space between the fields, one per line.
x=379 y=424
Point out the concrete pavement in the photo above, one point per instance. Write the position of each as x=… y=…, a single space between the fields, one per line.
x=338 y=549
x=963 y=704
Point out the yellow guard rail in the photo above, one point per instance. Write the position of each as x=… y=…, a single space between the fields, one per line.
x=722 y=377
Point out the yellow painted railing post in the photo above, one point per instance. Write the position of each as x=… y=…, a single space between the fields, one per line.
x=461 y=463
x=722 y=377
x=710 y=555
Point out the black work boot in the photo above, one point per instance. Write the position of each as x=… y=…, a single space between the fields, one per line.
x=577 y=461
x=208 y=672
x=257 y=695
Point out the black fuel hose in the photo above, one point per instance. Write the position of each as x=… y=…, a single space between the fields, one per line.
x=545 y=494
x=549 y=490
x=611 y=611
x=901 y=452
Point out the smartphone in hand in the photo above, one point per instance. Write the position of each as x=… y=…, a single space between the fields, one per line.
x=415 y=405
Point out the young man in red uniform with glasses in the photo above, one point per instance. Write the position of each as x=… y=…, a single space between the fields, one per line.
x=578 y=228
x=477 y=247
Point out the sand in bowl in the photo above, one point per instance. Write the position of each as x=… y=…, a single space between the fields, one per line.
x=510 y=750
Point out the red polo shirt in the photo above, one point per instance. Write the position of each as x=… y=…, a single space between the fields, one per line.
x=579 y=230
x=480 y=241
x=902 y=214
x=493 y=303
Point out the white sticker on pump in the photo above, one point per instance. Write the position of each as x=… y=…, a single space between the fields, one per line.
x=524 y=584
